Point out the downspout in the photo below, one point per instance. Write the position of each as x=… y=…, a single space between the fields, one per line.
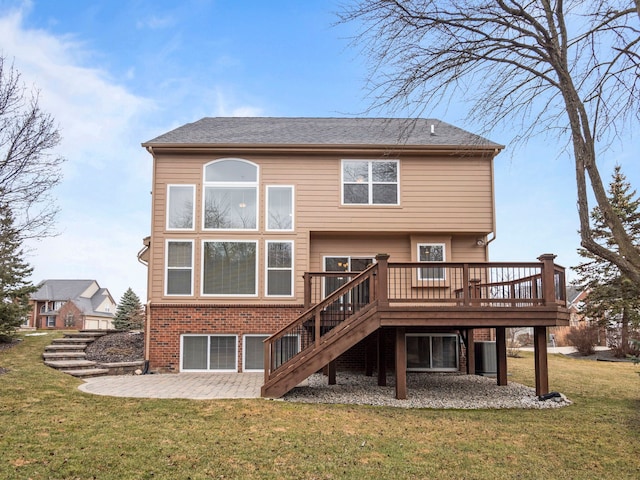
x=493 y=206
x=147 y=326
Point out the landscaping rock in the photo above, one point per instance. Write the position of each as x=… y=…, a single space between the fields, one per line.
x=117 y=347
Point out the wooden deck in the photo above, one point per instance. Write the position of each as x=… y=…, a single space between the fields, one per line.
x=405 y=296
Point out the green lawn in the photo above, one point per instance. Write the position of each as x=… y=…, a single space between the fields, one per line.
x=49 y=429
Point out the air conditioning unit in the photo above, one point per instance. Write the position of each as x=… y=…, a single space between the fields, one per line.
x=486 y=360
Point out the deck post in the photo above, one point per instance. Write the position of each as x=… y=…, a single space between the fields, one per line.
x=382 y=291
x=548 y=278
x=401 y=364
x=471 y=353
x=331 y=372
x=540 y=356
x=382 y=360
x=267 y=360
x=307 y=290
x=501 y=355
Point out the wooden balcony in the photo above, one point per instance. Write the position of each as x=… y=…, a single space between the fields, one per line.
x=401 y=296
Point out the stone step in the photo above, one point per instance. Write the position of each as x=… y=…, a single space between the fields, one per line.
x=93 y=334
x=97 y=333
x=87 y=372
x=68 y=347
x=72 y=341
x=65 y=365
x=65 y=355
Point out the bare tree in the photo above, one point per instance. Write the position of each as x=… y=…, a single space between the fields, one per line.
x=565 y=67
x=28 y=169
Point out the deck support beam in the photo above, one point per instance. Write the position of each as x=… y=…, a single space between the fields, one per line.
x=331 y=372
x=540 y=356
x=471 y=352
x=501 y=355
x=401 y=364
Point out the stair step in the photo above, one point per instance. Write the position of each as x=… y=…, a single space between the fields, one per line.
x=97 y=333
x=65 y=365
x=66 y=347
x=88 y=372
x=64 y=355
x=93 y=334
x=72 y=341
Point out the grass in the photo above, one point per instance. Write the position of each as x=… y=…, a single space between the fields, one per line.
x=51 y=430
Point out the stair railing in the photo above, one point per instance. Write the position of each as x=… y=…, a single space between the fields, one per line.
x=308 y=330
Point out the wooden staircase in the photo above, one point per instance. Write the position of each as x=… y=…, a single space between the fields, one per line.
x=68 y=354
x=325 y=331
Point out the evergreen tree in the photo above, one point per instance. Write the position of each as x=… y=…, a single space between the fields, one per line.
x=129 y=314
x=15 y=288
x=613 y=297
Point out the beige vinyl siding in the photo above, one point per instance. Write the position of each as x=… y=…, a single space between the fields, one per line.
x=438 y=195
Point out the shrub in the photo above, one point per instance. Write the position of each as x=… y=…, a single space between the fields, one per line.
x=584 y=339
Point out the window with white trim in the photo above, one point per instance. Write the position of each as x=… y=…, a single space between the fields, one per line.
x=283 y=349
x=279 y=269
x=431 y=252
x=230 y=195
x=209 y=353
x=279 y=208
x=229 y=268
x=180 y=207
x=179 y=268
x=432 y=352
x=253 y=352
x=370 y=182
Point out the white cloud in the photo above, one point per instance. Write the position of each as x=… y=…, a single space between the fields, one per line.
x=154 y=22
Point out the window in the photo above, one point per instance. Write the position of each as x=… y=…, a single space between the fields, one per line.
x=51 y=321
x=209 y=353
x=69 y=320
x=370 y=182
x=347 y=264
x=179 y=274
x=431 y=252
x=432 y=352
x=280 y=208
x=230 y=195
x=229 y=268
x=253 y=352
x=180 y=207
x=280 y=269
x=284 y=348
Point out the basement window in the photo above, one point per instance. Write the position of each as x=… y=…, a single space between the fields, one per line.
x=432 y=352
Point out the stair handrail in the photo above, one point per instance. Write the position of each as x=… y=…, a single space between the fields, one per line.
x=370 y=273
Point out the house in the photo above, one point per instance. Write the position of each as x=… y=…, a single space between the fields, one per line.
x=71 y=304
x=286 y=245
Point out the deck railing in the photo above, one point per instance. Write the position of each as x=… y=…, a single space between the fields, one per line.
x=409 y=285
x=497 y=284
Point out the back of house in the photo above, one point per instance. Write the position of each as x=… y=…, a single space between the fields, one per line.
x=243 y=207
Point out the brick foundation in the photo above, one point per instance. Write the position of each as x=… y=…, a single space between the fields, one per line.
x=168 y=322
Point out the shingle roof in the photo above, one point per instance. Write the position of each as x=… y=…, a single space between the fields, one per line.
x=319 y=131
x=60 y=289
x=70 y=290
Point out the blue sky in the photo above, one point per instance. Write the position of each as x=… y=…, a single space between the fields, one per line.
x=115 y=73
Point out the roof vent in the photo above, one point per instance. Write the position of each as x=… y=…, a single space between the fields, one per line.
x=433 y=129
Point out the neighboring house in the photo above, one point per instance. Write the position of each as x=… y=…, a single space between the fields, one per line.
x=277 y=225
x=576 y=296
x=72 y=304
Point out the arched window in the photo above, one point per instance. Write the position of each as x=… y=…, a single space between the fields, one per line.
x=230 y=195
